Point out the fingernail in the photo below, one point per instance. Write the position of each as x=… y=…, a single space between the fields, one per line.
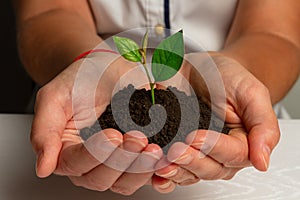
x=169 y=174
x=153 y=155
x=116 y=140
x=38 y=161
x=266 y=156
x=38 y=156
x=136 y=141
x=166 y=185
x=133 y=144
x=184 y=159
x=197 y=145
x=189 y=182
x=107 y=145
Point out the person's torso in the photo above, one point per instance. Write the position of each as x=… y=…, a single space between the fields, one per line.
x=204 y=21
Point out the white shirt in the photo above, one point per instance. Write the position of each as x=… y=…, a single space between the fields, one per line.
x=205 y=21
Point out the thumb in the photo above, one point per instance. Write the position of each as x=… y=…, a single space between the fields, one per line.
x=47 y=127
x=264 y=133
x=47 y=150
x=262 y=140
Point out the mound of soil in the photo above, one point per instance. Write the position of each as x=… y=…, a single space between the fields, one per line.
x=171 y=119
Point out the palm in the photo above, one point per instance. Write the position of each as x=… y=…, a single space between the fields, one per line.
x=247 y=106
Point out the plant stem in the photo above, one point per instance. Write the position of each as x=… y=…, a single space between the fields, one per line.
x=152 y=93
x=150 y=82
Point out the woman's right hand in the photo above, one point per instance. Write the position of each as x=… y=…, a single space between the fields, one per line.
x=64 y=106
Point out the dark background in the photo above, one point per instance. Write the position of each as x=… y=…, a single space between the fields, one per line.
x=15 y=84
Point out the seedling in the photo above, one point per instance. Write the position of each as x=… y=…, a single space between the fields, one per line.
x=166 y=61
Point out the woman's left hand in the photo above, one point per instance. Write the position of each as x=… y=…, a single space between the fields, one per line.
x=254 y=133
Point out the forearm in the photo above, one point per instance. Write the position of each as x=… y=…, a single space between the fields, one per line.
x=49 y=42
x=272 y=59
x=265 y=38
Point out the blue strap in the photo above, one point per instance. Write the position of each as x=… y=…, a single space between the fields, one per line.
x=167 y=16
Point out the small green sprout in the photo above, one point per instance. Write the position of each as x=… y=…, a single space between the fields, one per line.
x=166 y=61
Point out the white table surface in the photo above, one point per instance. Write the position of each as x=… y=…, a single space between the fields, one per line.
x=18 y=180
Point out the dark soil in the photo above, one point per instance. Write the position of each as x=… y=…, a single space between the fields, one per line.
x=181 y=120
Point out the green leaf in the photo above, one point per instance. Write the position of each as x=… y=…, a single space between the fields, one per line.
x=128 y=49
x=167 y=57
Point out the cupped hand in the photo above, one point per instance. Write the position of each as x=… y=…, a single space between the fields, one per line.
x=248 y=111
x=72 y=101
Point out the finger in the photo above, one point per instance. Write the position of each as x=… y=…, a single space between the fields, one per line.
x=231 y=173
x=189 y=182
x=196 y=162
x=163 y=185
x=140 y=172
x=261 y=122
x=262 y=140
x=173 y=172
x=78 y=159
x=230 y=150
x=251 y=102
x=47 y=127
x=102 y=177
